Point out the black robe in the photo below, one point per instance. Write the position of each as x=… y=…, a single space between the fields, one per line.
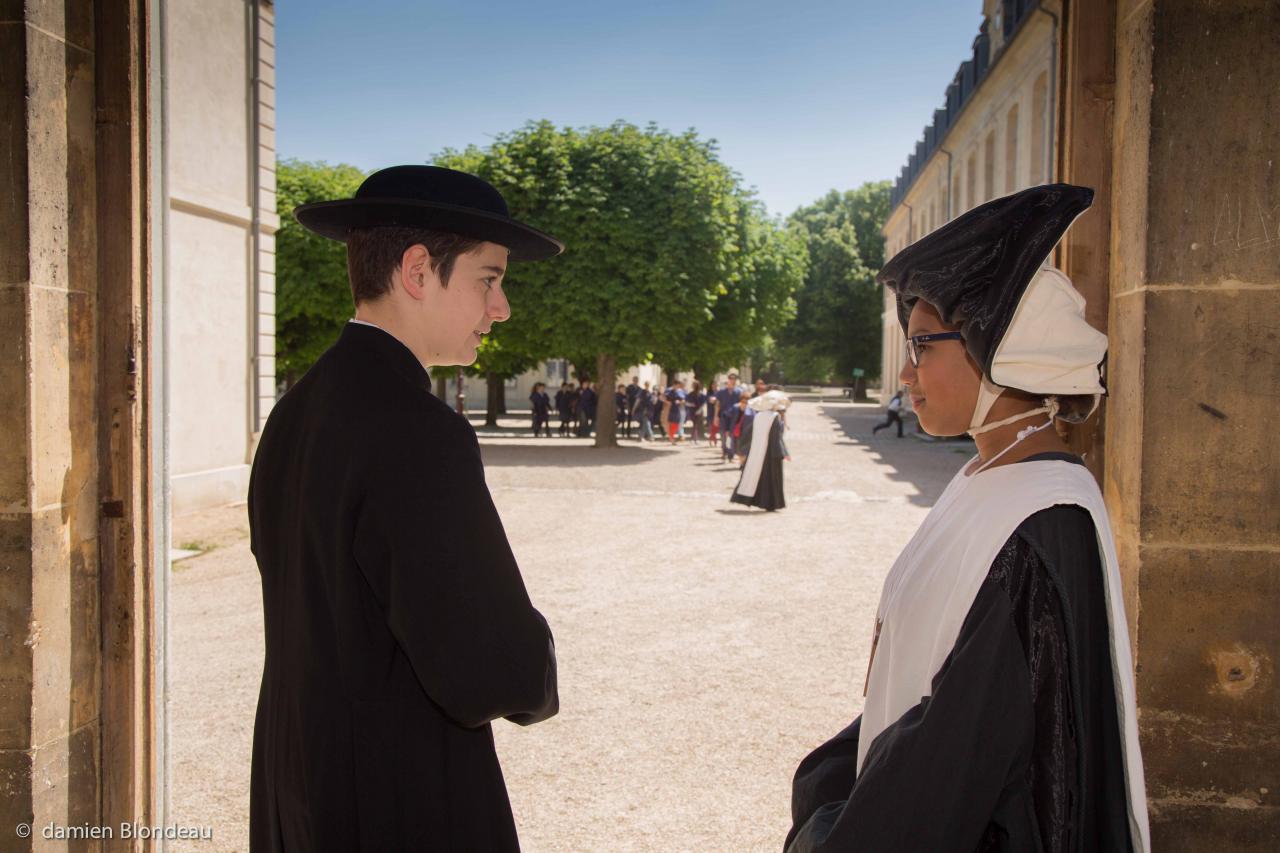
x=397 y=623
x=768 y=494
x=1018 y=746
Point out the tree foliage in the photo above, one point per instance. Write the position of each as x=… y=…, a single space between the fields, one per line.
x=658 y=233
x=840 y=306
x=313 y=296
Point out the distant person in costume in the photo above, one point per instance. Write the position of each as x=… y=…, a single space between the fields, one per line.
x=541 y=404
x=586 y=408
x=642 y=412
x=676 y=404
x=763 y=451
x=893 y=415
x=697 y=406
x=564 y=407
x=397 y=624
x=727 y=413
x=632 y=391
x=1000 y=711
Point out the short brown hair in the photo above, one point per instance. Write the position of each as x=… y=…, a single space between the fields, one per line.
x=373 y=254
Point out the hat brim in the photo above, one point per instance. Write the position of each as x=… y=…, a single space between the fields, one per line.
x=337 y=219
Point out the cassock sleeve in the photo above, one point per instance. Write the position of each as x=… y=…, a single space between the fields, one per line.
x=429 y=541
x=932 y=780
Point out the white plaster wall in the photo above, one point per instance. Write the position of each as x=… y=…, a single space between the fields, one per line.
x=209 y=357
x=209 y=111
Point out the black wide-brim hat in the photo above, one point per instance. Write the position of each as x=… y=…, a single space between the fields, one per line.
x=434 y=198
x=975 y=269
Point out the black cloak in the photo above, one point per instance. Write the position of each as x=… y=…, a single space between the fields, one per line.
x=397 y=623
x=1017 y=747
x=768 y=493
x=975 y=268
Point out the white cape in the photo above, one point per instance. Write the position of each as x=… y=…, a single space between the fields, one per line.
x=935 y=580
x=761 y=428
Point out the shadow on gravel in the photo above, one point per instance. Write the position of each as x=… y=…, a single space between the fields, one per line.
x=552 y=456
x=927 y=465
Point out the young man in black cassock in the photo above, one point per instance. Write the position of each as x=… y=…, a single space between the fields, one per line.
x=397 y=622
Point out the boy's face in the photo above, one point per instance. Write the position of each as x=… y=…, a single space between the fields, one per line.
x=452 y=320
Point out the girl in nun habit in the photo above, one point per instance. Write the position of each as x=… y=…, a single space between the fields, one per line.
x=761 y=443
x=999 y=710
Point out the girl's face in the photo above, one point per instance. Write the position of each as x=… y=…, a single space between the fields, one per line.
x=944 y=388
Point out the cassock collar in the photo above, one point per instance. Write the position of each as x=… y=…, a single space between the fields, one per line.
x=389 y=348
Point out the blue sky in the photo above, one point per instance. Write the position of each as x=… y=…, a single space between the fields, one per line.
x=802 y=96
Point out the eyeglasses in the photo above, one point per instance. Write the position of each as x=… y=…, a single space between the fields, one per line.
x=914 y=342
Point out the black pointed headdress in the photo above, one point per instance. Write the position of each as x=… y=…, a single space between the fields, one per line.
x=975 y=268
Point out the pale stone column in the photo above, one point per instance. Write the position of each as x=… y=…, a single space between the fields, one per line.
x=50 y=672
x=1192 y=467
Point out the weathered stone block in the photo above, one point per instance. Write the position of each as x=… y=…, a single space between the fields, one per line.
x=1209 y=632
x=79 y=496
x=85 y=636
x=13 y=140
x=52 y=407
x=1184 y=828
x=83 y=773
x=16 y=667
x=1214 y=68
x=82 y=197
x=1209 y=472
x=47 y=158
x=1132 y=143
x=1124 y=412
x=11 y=11
x=15 y=794
x=79 y=26
x=48 y=15
x=50 y=635
x=15 y=414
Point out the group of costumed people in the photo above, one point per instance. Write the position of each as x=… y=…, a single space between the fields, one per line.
x=999 y=706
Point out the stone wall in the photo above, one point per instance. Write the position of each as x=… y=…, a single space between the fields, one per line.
x=75 y=679
x=49 y=637
x=1192 y=473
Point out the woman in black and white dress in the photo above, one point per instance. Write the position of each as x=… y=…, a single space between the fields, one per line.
x=999 y=707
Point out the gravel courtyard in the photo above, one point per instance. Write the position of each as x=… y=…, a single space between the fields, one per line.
x=704 y=648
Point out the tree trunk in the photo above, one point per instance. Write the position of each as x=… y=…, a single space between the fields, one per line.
x=460 y=395
x=442 y=384
x=606 y=408
x=493 y=404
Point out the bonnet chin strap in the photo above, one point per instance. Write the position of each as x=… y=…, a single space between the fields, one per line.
x=1050 y=408
x=988 y=392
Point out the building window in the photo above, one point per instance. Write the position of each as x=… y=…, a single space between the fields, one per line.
x=971 y=182
x=989 y=167
x=1039 y=115
x=1011 y=150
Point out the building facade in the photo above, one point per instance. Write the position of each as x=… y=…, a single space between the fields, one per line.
x=221 y=225
x=992 y=136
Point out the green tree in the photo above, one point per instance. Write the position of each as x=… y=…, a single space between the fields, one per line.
x=757 y=299
x=650 y=220
x=313 y=296
x=840 y=306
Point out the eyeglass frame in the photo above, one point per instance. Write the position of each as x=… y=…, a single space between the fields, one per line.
x=914 y=340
